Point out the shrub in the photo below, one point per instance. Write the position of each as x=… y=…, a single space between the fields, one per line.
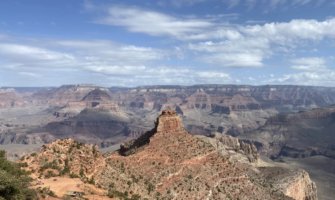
x=72 y=175
x=14 y=182
x=91 y=181
x=151 y=187
x=66 y=168
x=81 y=172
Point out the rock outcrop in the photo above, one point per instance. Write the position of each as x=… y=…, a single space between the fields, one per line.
x=243 y=151
x=168 y=121
x=300 y=187
x=174 y=164
x=293 y=183
x=169 y=163
x=65 y=157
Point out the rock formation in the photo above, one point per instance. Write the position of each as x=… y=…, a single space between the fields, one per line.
x=9 y=98
x=205 y=109
x=243 y=151
x=65 y=157
x=293 y=183
x=169 y=163
x=297 y=135
x=174 y=162
x=168 y=121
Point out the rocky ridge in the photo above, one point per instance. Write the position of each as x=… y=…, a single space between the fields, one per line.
x=65 y=157
x=172 y=164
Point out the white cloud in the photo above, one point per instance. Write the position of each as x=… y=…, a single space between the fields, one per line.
x=274 y=4
x=311 y=71
x=293 y=31
x=31 y=53
x=233 y=53
x=325 y=78
x=163 y=75
x=75 y=55
x=30 y=74
x=116 y=64
x=116 y=70
x=309 y=64
x=97 y=51
x=234 y=60
x=249 y=4
x=183 y=28
x=152 y=23
x=223 y=44
x=209 y=40
x=250 y=45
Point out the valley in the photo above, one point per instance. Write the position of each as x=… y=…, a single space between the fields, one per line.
x=290 y=124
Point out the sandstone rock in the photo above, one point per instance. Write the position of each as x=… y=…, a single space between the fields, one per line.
x=300 y=187
x=170 y=153
x=293 y=183
x=168 y=121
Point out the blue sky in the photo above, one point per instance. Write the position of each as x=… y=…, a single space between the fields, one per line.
x=131 y=43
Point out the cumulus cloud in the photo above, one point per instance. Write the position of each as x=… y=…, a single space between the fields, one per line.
x=292 y=31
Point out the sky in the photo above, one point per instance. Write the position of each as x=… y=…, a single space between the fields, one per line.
x=167 y=42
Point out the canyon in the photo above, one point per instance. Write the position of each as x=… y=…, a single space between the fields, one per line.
x=286 y=124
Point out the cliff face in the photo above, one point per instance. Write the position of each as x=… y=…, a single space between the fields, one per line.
x=297 y=135
x=169 y=122
x=293 y=183
x=237 y=149
x=300 y=187
x=9 y=98
x=229 y=97
x=62 y=95
x=234 y=110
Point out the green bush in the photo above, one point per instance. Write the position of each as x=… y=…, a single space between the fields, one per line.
x=66 y=169
x=14 y=182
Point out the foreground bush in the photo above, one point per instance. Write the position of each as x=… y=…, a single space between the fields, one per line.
x=14 y=182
